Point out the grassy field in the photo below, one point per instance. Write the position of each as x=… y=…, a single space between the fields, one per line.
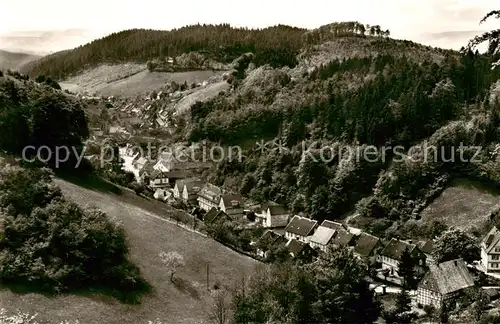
x=464 y=204
x=129 y=80
x=187 y=301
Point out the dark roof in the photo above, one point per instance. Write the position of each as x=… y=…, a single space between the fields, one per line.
x=210 y=215
x=277 y=210
x=281 y=240
x=156 y=174
x=491 y=239
x=426 y=246
x=342 y=238
x=267 y=240
x=447 y=277
x=232 y=200
x=215 y=215
x=148 y=167
x=395 y=249
x=295 y=247
x=365 y=244
x=332 y=225
x=301 y=226
x=176 y=174
x=180 y=184
x=193 y=186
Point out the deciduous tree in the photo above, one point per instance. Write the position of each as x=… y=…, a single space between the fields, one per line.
x=172 y=261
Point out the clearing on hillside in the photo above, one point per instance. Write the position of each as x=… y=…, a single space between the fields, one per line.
x=464 y=204
x=129 y=80
x=148 y=234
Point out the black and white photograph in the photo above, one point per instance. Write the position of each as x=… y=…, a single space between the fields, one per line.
x=263 y=162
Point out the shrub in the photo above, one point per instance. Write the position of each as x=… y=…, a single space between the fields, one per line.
x=53 y=245
x=429 y=310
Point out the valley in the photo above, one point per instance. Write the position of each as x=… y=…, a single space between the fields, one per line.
x=292 y=102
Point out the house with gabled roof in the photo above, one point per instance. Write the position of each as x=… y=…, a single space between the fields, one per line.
x=191 y=189
x=209 y=196
x=178 y=188
x=300 y=228
x=490 y=251
x=331 y=233
x=427 y=247
x=166 y=162
x=444 y=282
x=158 y=179
x=300 y=250
x=214 y=216
x=175 y=175
x=343 y=238
x=232 y=204
x=146 y=171
x=272 y=215
x=366 y=245
x=324 y=235
x=267 y=241
x=390 y=256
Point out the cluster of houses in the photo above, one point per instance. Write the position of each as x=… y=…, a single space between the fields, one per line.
x=441 y=282
x=304 y=237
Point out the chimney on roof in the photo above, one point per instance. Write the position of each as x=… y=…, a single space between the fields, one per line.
x=345 y=226
x=410 y=241
x=456 y=263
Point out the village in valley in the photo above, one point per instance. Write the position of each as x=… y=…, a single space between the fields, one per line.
x=268 y=175
x=274 y=233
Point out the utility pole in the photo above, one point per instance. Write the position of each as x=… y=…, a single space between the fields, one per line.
x=208 y=270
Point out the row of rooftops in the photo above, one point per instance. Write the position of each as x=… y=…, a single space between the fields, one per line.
x=339 y=234
x=445 y=278
x=270 y=239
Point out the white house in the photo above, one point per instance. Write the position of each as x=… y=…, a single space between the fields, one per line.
x=178 y=188
x=166 y=162
x=272 y=215
x=324 y=235
x=390 y=256
x=162 y=194
x=490 y=251
x=300 y=228
x=331 y=233
x=158 y=179
x=209 y=197
x=191 y=189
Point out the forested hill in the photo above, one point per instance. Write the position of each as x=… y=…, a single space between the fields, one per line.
x=10 y=60
x=277 y=46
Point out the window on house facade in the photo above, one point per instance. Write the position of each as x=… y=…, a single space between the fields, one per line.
x=494 y=265
x=497 y=249
x=495 y=257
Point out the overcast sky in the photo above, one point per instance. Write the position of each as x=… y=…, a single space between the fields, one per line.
x=444 y=23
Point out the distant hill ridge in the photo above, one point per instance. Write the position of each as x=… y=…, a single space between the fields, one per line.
x=15 y=61
x=278 y=45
